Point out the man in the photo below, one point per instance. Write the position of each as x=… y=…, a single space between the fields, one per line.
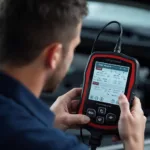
x=38 y=39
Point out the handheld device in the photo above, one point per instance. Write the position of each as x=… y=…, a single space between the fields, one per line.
x=107 y=75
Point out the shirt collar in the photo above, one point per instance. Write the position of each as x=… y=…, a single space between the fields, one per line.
x=11 y=88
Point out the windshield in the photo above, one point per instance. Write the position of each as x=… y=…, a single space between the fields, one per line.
x=101 y=13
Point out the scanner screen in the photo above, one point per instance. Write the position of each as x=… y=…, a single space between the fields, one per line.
x=108 y=82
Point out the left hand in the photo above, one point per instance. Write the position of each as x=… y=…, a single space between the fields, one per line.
x=65 y=108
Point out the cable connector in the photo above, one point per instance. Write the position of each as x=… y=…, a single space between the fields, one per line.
x=95 y=141
x=117 y=48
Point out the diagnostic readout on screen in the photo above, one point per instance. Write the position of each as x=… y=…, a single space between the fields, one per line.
x=109 y=81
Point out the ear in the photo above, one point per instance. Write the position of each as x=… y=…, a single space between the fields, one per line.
x=54 y=53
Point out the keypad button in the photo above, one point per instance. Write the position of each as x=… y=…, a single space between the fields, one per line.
x=100 y=120
x=111 y=117
x=91 y=113
x=101 y=111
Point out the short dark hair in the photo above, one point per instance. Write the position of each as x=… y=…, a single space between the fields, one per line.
x=28 y=26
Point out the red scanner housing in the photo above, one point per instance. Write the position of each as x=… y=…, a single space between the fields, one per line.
x=109 y=110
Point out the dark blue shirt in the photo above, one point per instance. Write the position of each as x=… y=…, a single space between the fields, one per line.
x=26 y=123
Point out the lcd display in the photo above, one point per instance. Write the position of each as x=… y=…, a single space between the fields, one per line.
x=108 y=82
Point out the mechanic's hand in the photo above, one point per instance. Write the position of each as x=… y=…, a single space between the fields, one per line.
x=65 y=108
x=131 y=124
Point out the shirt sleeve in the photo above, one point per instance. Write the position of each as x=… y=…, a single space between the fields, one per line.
x=27 y=133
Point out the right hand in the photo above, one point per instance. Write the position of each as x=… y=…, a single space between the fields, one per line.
x=131 y=124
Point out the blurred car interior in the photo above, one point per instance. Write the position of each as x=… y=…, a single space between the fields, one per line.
x=135 y=18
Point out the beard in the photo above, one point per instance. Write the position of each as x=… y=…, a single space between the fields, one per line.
x=55 y=79
x=51 y=85
x=58 y=75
